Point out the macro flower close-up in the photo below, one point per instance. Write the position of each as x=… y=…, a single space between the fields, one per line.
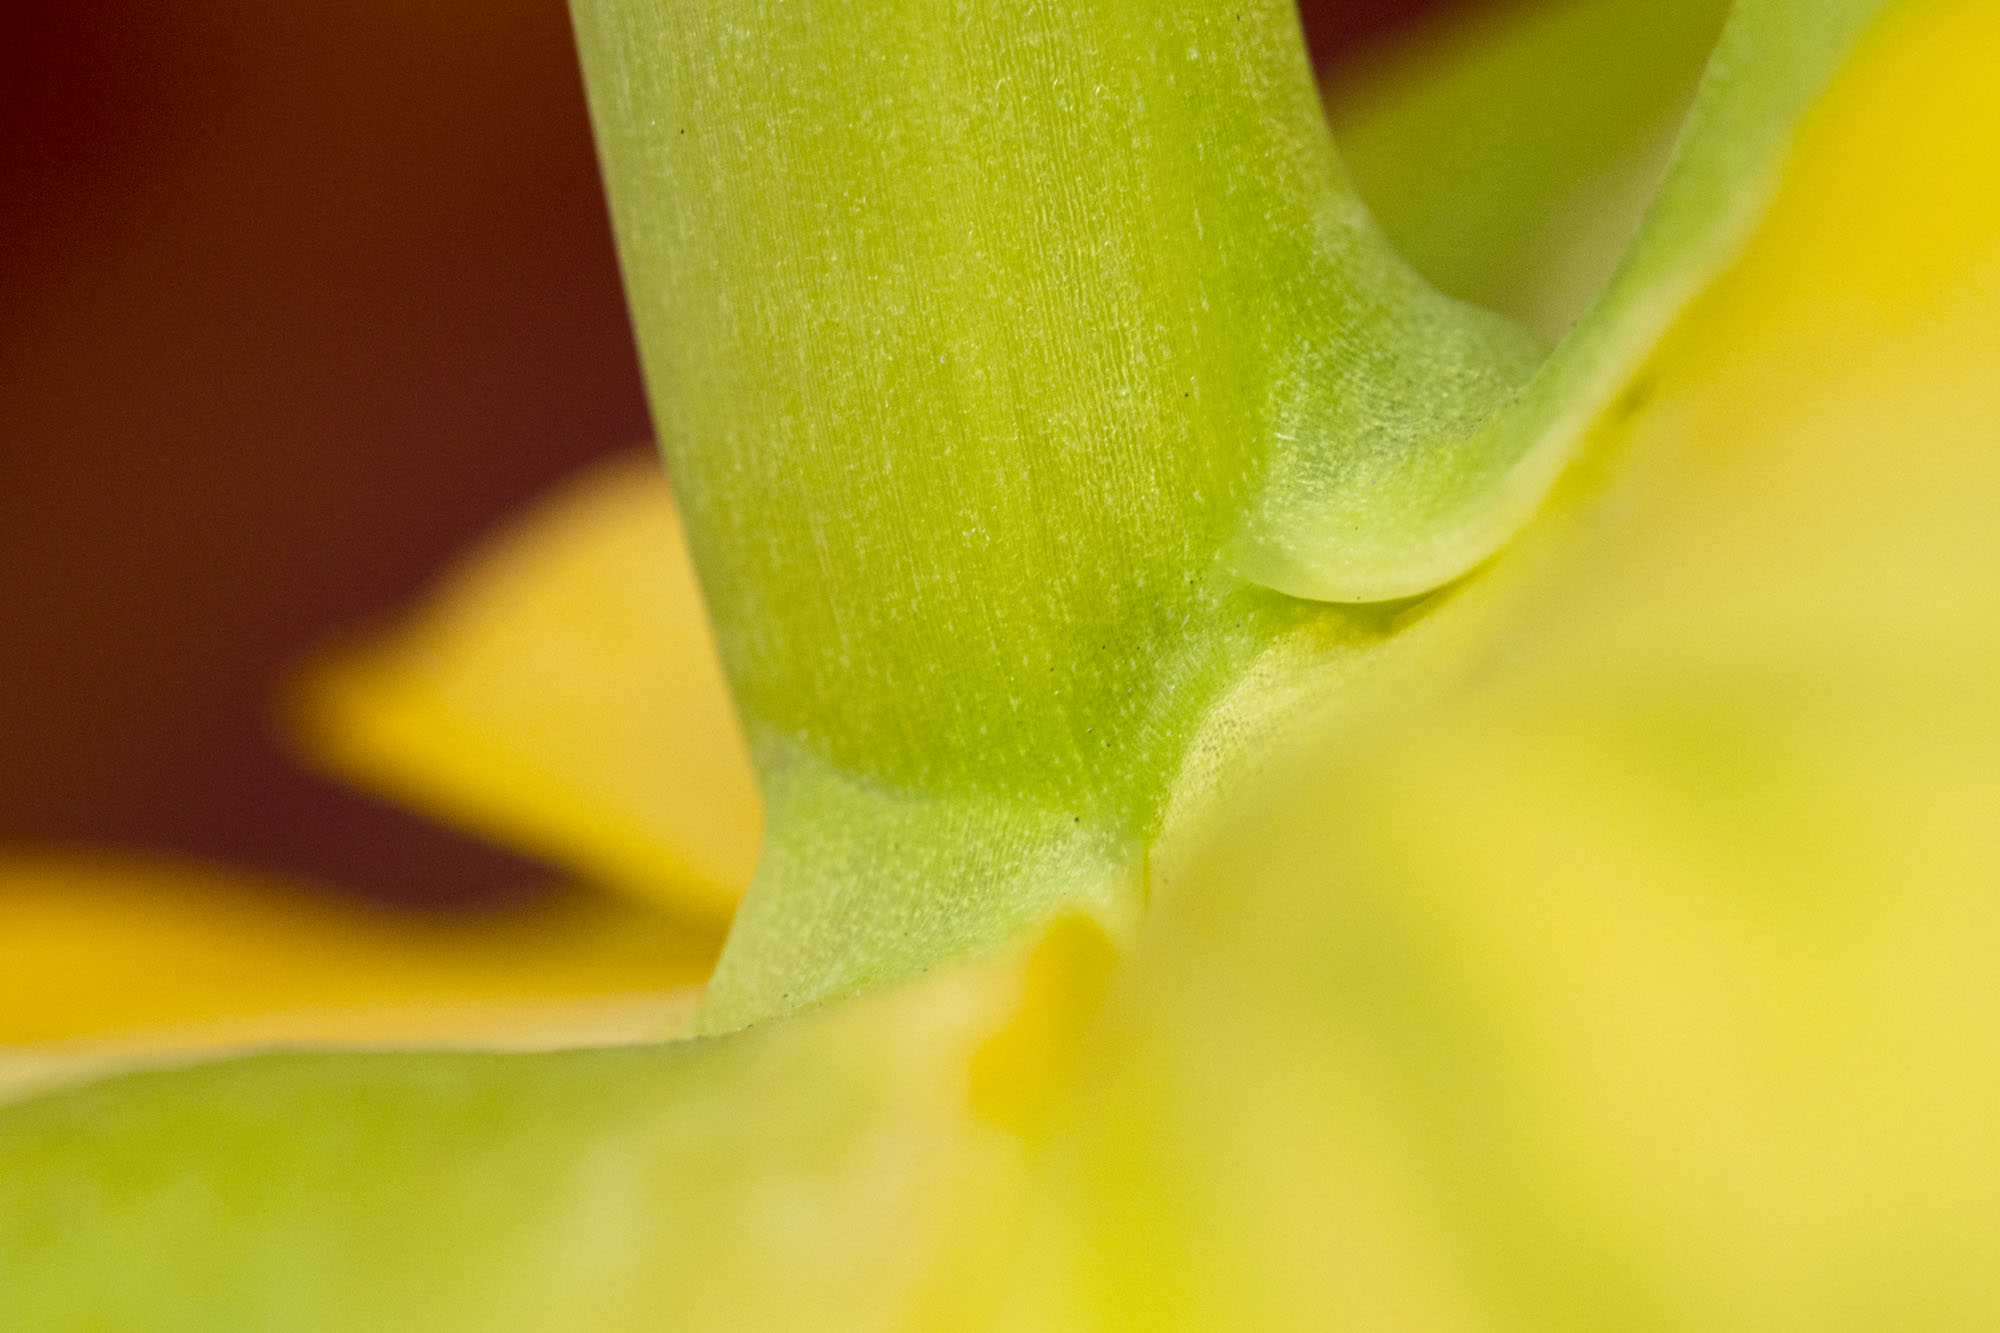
x=1259 y=691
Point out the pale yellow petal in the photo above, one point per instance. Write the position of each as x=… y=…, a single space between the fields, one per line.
x=110 y=960
x=561 y=694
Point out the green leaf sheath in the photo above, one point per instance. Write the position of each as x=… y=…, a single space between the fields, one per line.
x=973 y=331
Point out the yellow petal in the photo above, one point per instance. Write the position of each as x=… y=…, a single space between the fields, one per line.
x=1647 y=980
x=561 y=694
x=109 y=959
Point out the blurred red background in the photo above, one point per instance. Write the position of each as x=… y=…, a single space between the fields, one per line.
x=297 y=301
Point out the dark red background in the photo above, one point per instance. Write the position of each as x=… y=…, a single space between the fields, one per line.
x=296 y=301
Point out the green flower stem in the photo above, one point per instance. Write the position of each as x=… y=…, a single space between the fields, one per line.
x=974 y=333
x=1025 y=372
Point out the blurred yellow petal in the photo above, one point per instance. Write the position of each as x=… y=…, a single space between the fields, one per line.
x=1651 y=978
x=109 y=960
x=561 y=694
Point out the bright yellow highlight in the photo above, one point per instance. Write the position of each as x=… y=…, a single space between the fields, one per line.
x=109 y=960
x=1020 y=1070
x=562 y=695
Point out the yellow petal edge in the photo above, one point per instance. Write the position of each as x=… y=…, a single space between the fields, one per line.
x=114 y=961
x=561 y=695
